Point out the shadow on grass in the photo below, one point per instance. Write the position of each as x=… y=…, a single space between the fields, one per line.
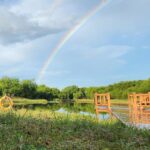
x=58 y=132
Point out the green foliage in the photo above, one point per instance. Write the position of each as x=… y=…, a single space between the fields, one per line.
x=90 y=92
x=44 y=92
x=145 y=86
x=120 y=90
x=10 y=86
x=1 y=91
x=78 y=95
x=70 y=91
x=29 y=89
x=55 y=93
x=47 y=93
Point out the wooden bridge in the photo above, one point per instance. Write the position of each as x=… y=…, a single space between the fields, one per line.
x=136 y=113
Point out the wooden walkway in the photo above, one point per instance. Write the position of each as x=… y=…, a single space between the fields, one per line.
x=136 y=113
x=122 y=114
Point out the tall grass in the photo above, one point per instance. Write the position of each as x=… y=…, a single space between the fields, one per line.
x=45 y=130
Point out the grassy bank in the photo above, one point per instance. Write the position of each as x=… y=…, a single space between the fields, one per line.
x=25 y=101
x=36 y=130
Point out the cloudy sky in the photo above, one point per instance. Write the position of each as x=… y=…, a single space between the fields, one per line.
x=111 y=46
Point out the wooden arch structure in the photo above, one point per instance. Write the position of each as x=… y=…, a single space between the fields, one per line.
x=102 y=103
x=139 y=108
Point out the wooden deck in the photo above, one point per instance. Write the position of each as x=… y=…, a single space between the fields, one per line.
x=136 y=113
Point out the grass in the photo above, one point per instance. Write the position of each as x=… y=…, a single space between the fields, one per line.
x=45 y=130
x=25 y=101
x=83 y=101
x=119 y=102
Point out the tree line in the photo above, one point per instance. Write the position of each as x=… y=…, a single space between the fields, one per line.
x=29 y=89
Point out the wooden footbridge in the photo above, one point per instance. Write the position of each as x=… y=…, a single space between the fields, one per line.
x=135 y=113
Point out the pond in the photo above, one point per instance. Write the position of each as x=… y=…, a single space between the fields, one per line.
x=100 y=116
x=119 y=111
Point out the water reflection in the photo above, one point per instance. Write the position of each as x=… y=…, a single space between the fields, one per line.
x=139 y=116
x=100 y=116
x=134 y=117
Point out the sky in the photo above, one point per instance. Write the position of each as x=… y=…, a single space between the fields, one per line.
x=111 y=46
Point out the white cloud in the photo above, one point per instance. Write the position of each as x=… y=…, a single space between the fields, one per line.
x=14 y=54
x=122 y=19
x=24 y=21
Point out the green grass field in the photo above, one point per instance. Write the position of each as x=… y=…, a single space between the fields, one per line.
x=25 y=101
x=45 y=130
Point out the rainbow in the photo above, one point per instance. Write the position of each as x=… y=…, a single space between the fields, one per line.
x=68 y=35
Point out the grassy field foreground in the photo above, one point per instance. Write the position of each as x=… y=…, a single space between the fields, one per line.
x=36 y=130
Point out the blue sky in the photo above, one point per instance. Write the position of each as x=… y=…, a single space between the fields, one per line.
x=112 y=46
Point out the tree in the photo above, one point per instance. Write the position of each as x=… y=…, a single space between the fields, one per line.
x=63 y=95
x=1 y=91
x=28 y=89
x=45 y=92
x=10 y=86
x=69 y=91
x=90 y=92
x=78 y=95
x=55 y=93
x=145 y=86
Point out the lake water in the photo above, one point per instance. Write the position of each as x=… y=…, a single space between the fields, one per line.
x=122 y=112
x=100 y=116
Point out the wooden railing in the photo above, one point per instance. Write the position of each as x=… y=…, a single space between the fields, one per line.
x=102 y=103
x=139 y=108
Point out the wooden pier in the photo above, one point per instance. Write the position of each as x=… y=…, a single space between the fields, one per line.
x=139 y=108
x=136 y=113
